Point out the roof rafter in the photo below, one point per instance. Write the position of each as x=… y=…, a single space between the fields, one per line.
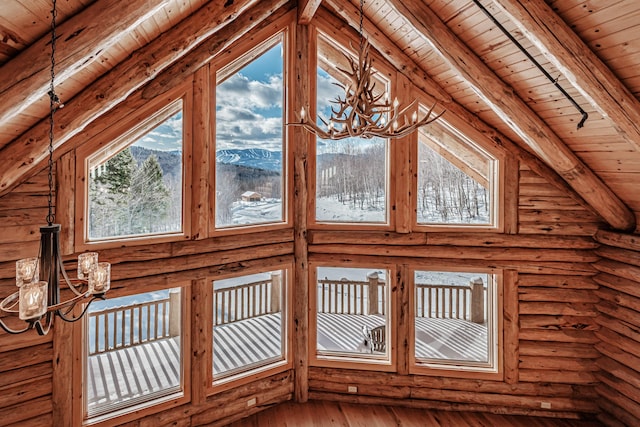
x=306 y=10
x=516 y=114
x=79 y=42
x=577 y=63
x=28 y=150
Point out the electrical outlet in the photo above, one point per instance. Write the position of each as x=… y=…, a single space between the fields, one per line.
x=545 y=405
x=251 y=402
x=352 y=389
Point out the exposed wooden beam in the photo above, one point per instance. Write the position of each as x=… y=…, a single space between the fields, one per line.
x=516 y=114
x=573 y=58
x=28 y=150
x=245 y=23
x=306 y=10
x=458 y=116
x=79 y=42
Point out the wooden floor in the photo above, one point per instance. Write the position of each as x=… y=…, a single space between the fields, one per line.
x=330 y=414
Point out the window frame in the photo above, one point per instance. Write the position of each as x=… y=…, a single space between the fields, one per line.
x=234 y=59
x=348 y=361
x=496 y=184
x=121 y=132
x=265 y=370
x=143 y=408
x=386 y=73
x=457 y=369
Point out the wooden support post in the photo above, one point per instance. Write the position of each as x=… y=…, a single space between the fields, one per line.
x=175 y=309
x=403 y=320
x=303 y=54
x=201 y=340
x=276 y=291
x=373 y=293
x=477 y=300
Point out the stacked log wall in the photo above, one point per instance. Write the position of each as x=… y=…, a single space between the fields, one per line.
x=25 y=360
x=619 y=333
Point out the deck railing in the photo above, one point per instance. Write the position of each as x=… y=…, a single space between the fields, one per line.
x=346 y=296
x=247 y=301
x=131 y=325
x=451 y=301
x=136 y=324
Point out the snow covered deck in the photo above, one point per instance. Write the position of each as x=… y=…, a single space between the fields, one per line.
x=128 y=373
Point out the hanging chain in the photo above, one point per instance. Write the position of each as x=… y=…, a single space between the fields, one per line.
x=53 y=105
x=361 y=24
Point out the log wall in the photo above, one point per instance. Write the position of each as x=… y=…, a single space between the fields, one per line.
x=25 y=360
x=619 y=328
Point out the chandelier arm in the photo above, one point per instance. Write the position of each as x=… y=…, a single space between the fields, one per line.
x=84 y=310
x=44 y=330
x=15 y=331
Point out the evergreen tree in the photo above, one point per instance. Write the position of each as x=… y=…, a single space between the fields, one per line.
x=149 y=197
x=118 y=173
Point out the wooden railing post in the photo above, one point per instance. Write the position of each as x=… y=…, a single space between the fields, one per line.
x=174 y=313
x=373 y=292
x=276 y=286
x=477 y=300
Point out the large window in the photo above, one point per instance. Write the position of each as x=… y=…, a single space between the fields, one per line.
x=133 y=352
x=352 y=315
x=249 y=324
x=456 y=320
x=135 y=184
x=457 y=180
x=351 y=174
x=250 y=160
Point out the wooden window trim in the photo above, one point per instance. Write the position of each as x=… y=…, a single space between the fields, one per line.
x=244 y=51
x=346 y=362
x=143 y=409
x=503 y=279
x=497 y=176
x=122 y=126
x=387 y=74
x=260 y=372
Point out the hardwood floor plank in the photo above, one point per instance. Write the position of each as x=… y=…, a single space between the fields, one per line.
x=333 y=414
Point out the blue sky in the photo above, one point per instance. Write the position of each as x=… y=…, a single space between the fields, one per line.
x=249 y=109
x=249 y=105
x=165 y=137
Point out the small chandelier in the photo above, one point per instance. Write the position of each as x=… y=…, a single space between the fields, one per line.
x=37 y=301
x=362 y=113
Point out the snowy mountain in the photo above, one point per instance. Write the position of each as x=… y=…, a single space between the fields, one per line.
x=254 y=157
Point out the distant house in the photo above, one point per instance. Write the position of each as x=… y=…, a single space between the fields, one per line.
x=251 y=196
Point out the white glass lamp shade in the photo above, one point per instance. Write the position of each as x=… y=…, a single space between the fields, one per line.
x=100 y=278
x=27 y=271
x=86 y=262
x=33 y=300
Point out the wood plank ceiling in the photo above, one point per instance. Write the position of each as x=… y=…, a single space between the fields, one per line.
x=587 y=31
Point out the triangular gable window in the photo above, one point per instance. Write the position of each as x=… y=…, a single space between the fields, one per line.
x=135 y=184
x=455 y=180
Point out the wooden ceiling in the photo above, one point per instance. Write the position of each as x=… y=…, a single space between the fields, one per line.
x=451 y=49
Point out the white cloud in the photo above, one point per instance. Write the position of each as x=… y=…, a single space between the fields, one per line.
x=249 y=113
x=238 y=90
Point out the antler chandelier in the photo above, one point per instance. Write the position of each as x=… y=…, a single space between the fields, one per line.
x=37 y=301
x=362 y=113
